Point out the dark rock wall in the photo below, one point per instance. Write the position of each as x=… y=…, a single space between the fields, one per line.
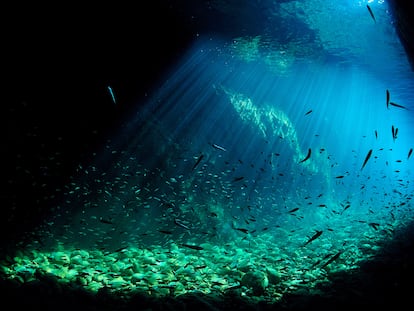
x=403 y=11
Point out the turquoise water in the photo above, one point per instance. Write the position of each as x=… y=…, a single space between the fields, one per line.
x=244 y=171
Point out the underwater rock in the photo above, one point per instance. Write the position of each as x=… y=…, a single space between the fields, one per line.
x=60 y=258
x=25 y=273
x=244 y=266
x=77 y=259
x=256 y=280
x=273 y=276
x=117 y=282
x=137 y=277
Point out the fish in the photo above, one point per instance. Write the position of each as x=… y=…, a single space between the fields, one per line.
x=388 y=99
x=310 y=111
x=165 y=231
x=409 y=153
x=242 y=230
x=376 y=134
x=374 y=225
x=106 y=221
x=307 y=156
x=394 y=133
x=218 y=147
x=366 y=158
x=198 y=161
x=238 y=178
x=293 y=210
x=340 y=176
x=332 y=259
x=371 y=13
x=179 y=223
x=314 y=237
x=316 y=263
x=196 y=247
x=397 y=105
x=346 y=207
x=120 y=249
x=111 y=92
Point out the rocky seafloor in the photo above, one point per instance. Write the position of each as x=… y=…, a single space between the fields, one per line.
x=213 y=278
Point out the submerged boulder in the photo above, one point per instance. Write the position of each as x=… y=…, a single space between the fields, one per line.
x=257 y=281
x=273 y=275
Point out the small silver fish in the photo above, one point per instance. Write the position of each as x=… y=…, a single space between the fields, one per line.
x=111 y=92
x=218 y=147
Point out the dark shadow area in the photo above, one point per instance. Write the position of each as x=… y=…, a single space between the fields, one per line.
x=385 y=280
x=403 y=11
x=56 y=109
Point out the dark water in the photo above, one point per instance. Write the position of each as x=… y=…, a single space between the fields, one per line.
x=264 y=163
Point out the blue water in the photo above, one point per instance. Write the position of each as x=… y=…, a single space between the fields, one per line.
x=266 y=103
x=220 y=146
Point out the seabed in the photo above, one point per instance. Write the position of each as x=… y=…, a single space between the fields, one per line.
x=249 y=273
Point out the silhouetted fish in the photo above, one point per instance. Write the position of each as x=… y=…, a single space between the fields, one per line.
x=394 y=133
x=345 y=208
x=409 y=153
x=374 y=225
x=314 y=237
x=106 y=221
x=388 y=99
x=307 y=156
x=397 y=105
x=293 y=210
x=238 y=178
x=376 y=134
x=165 y=231
x=120 y=249
x=198 y=161
x=366 y=158
x=333 y=258
x=310 y=111
x=242 y=230
x=196 y=247
x=371 y=13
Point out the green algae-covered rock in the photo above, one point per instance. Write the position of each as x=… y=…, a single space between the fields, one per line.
x=255 y=280
x=273 y=275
